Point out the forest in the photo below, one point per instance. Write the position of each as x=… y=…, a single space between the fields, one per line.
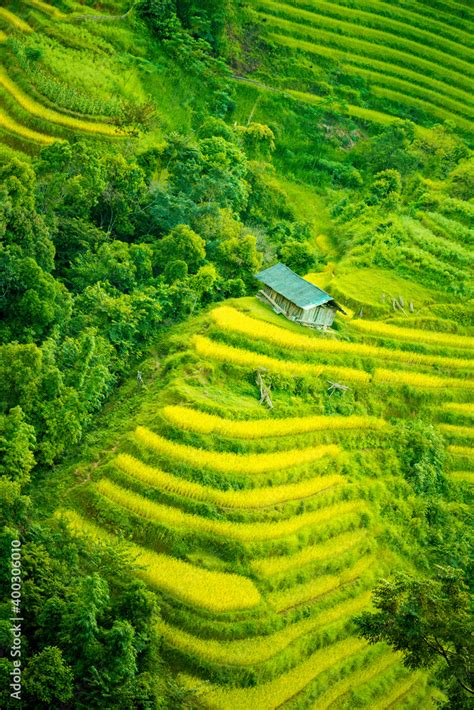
x=174 y=542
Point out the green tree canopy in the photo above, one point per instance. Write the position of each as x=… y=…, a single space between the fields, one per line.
x=428 y=620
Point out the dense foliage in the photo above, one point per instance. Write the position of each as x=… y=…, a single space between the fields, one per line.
x=127 y=208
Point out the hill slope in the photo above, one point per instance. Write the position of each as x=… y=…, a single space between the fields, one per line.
x=156 y=164
x=283 y=519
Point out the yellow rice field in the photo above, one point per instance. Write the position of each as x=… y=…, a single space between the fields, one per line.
x=228 y=318
x=227 y=462
x=252 y=498
x=246 y=358
x=460 y=450
x=461 y=432
x=47 y=114
x=464 y=409
x=243 y=532
x=258 y=649
x=333 y=547
x=10 y=125
x=215 y=591
x=417 y=379
x=330 y=698
x=396 y=693
x=419 y=336
x=304 y=593
x=195 y=420
x=269 y=696
x=467 y=476
x=48 y=9
x=15 y=21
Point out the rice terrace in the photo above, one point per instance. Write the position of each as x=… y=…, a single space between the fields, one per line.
x=237 y=354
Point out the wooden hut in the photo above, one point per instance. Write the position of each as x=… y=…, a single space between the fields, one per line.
x=297 y=299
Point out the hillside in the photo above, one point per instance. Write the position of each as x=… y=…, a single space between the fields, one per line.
x=282 y=520
x=183 y=544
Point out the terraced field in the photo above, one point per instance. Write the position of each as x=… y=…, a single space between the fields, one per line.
x=37 y=105
x=412 y=59
x=71 y=69
x=257 y=528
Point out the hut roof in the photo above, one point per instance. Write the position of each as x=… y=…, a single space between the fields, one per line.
x=294 y=288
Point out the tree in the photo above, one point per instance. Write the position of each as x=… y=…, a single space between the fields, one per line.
x=298 y=256
x=17 y=444
x=48 y=678
x=422 y=454
x=386 y=189
x=239 y=258
x=428 y=620
x=181 y=244
x=160 y=16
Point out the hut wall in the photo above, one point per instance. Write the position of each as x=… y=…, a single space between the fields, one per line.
x=287 y=306
x=320 y=315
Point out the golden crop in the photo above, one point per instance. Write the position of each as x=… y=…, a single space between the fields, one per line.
x=330 y=548
x=243 y=532
x=10 y=125
x=463 y=408
x=317 y=587
x=399 y=690
x=268 y=696
x=195 y=420
x=417 y=379
x=463 y=432
x=47 y=114
x=15 y=21
x=258 y=649
x=48 y=9
x=346 y=685
x=252 y=498
x=419 y=336
x=228 y=462
x=246 y=358
x=214 y=591
x=228 y=318
x=461 y=450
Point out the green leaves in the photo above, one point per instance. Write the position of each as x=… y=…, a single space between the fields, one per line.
x=426 y=619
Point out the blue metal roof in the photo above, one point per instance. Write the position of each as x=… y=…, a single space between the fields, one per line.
x=296 y=289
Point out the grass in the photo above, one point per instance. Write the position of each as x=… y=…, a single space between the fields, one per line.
x=246 y=358
x=247 y=499
x=214 y=591
x=386 y=330
x=228 y=462
x=47 y=114
x=242 y=532
x=361 y=18
x=257 y=650
x=318 y=19
x=270 y=695
x=310 y=39
x=228 y=318
x=404 y=99
x=195 y=420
